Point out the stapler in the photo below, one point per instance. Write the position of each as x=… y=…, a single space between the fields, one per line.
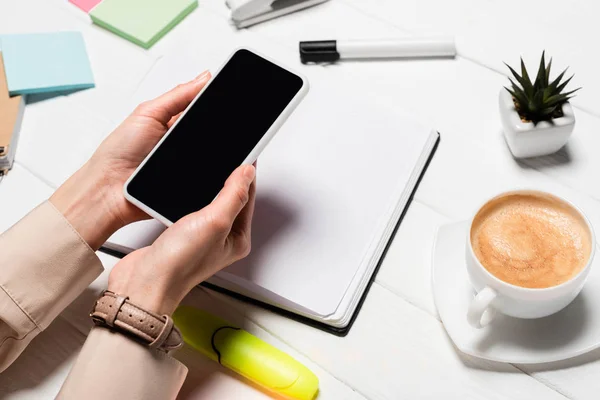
x=249 y=12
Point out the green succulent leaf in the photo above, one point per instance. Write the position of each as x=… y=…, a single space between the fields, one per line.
x=541 y=100
x=556 y=82
x=572 y=91
x=517 y=76
x=541 y=74
x=564 y=84
x=547 y=79
x=527 y=85
x=558 y=98
x=516 y=87
x=548 y=111
x=512 y=92
x=518 y=95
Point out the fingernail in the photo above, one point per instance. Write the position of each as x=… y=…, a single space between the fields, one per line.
x=249 y=173
x=203 y=76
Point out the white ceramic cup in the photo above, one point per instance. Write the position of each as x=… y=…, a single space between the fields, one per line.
x=494 y=294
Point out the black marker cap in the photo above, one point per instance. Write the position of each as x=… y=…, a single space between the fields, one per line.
x=319 y=51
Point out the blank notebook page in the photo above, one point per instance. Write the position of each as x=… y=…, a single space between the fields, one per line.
x=328 y=184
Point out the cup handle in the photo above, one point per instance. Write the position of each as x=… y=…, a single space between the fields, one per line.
x=480 y=312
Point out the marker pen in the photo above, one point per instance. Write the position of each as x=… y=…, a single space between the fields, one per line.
x=246 y=354
x=333 y=50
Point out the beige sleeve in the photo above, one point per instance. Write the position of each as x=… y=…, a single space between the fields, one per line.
x=112 y=366
x=44 y=266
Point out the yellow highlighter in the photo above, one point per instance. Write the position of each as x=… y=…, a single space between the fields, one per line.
x=246 y=354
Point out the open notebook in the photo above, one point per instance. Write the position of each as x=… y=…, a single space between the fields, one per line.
x=332 y=185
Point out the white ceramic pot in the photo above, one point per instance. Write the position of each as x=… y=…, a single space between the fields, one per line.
x=528 y=140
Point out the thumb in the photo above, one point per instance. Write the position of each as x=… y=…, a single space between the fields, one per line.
x=233 y=198
x=169 y=104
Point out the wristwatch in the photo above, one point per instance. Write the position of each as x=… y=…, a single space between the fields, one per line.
x=117 y=313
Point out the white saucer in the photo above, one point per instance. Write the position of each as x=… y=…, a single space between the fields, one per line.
x=568 y=333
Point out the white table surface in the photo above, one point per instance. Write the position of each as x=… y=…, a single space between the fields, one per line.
x=398 y=348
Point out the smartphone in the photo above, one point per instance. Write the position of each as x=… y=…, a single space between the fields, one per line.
x=228 y=124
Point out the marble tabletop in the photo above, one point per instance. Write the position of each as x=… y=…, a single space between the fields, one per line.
x=397 y=348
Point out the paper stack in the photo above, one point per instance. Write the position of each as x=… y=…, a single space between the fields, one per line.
x=32 y=64
x=46 y=62
x=11 y=113
x=142 y=22
x=85 y=5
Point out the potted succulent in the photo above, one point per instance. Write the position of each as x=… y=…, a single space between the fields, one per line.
x=536 y=116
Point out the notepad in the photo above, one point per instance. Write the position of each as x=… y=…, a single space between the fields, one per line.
x=332 y=186
x=46 y=62
x=142 y=22
x=85 y=5
x=11 y=114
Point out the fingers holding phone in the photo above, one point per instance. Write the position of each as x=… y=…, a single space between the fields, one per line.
x=191 y=250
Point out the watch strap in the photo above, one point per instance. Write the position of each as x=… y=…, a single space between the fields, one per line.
x=118 y=313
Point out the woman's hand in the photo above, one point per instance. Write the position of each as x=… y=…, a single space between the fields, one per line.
x=92 y=199
x=191 y=250
x=195 y=247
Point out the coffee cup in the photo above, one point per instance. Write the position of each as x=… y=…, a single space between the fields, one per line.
x=528 y=255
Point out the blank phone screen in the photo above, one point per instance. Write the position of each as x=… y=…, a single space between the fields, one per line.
x=215 y=136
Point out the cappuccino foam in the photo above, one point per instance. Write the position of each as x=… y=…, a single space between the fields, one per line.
x=531 y=240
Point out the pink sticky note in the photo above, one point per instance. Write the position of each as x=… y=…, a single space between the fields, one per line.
x=85 y=5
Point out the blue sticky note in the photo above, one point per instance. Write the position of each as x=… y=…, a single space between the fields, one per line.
x=46 y=62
